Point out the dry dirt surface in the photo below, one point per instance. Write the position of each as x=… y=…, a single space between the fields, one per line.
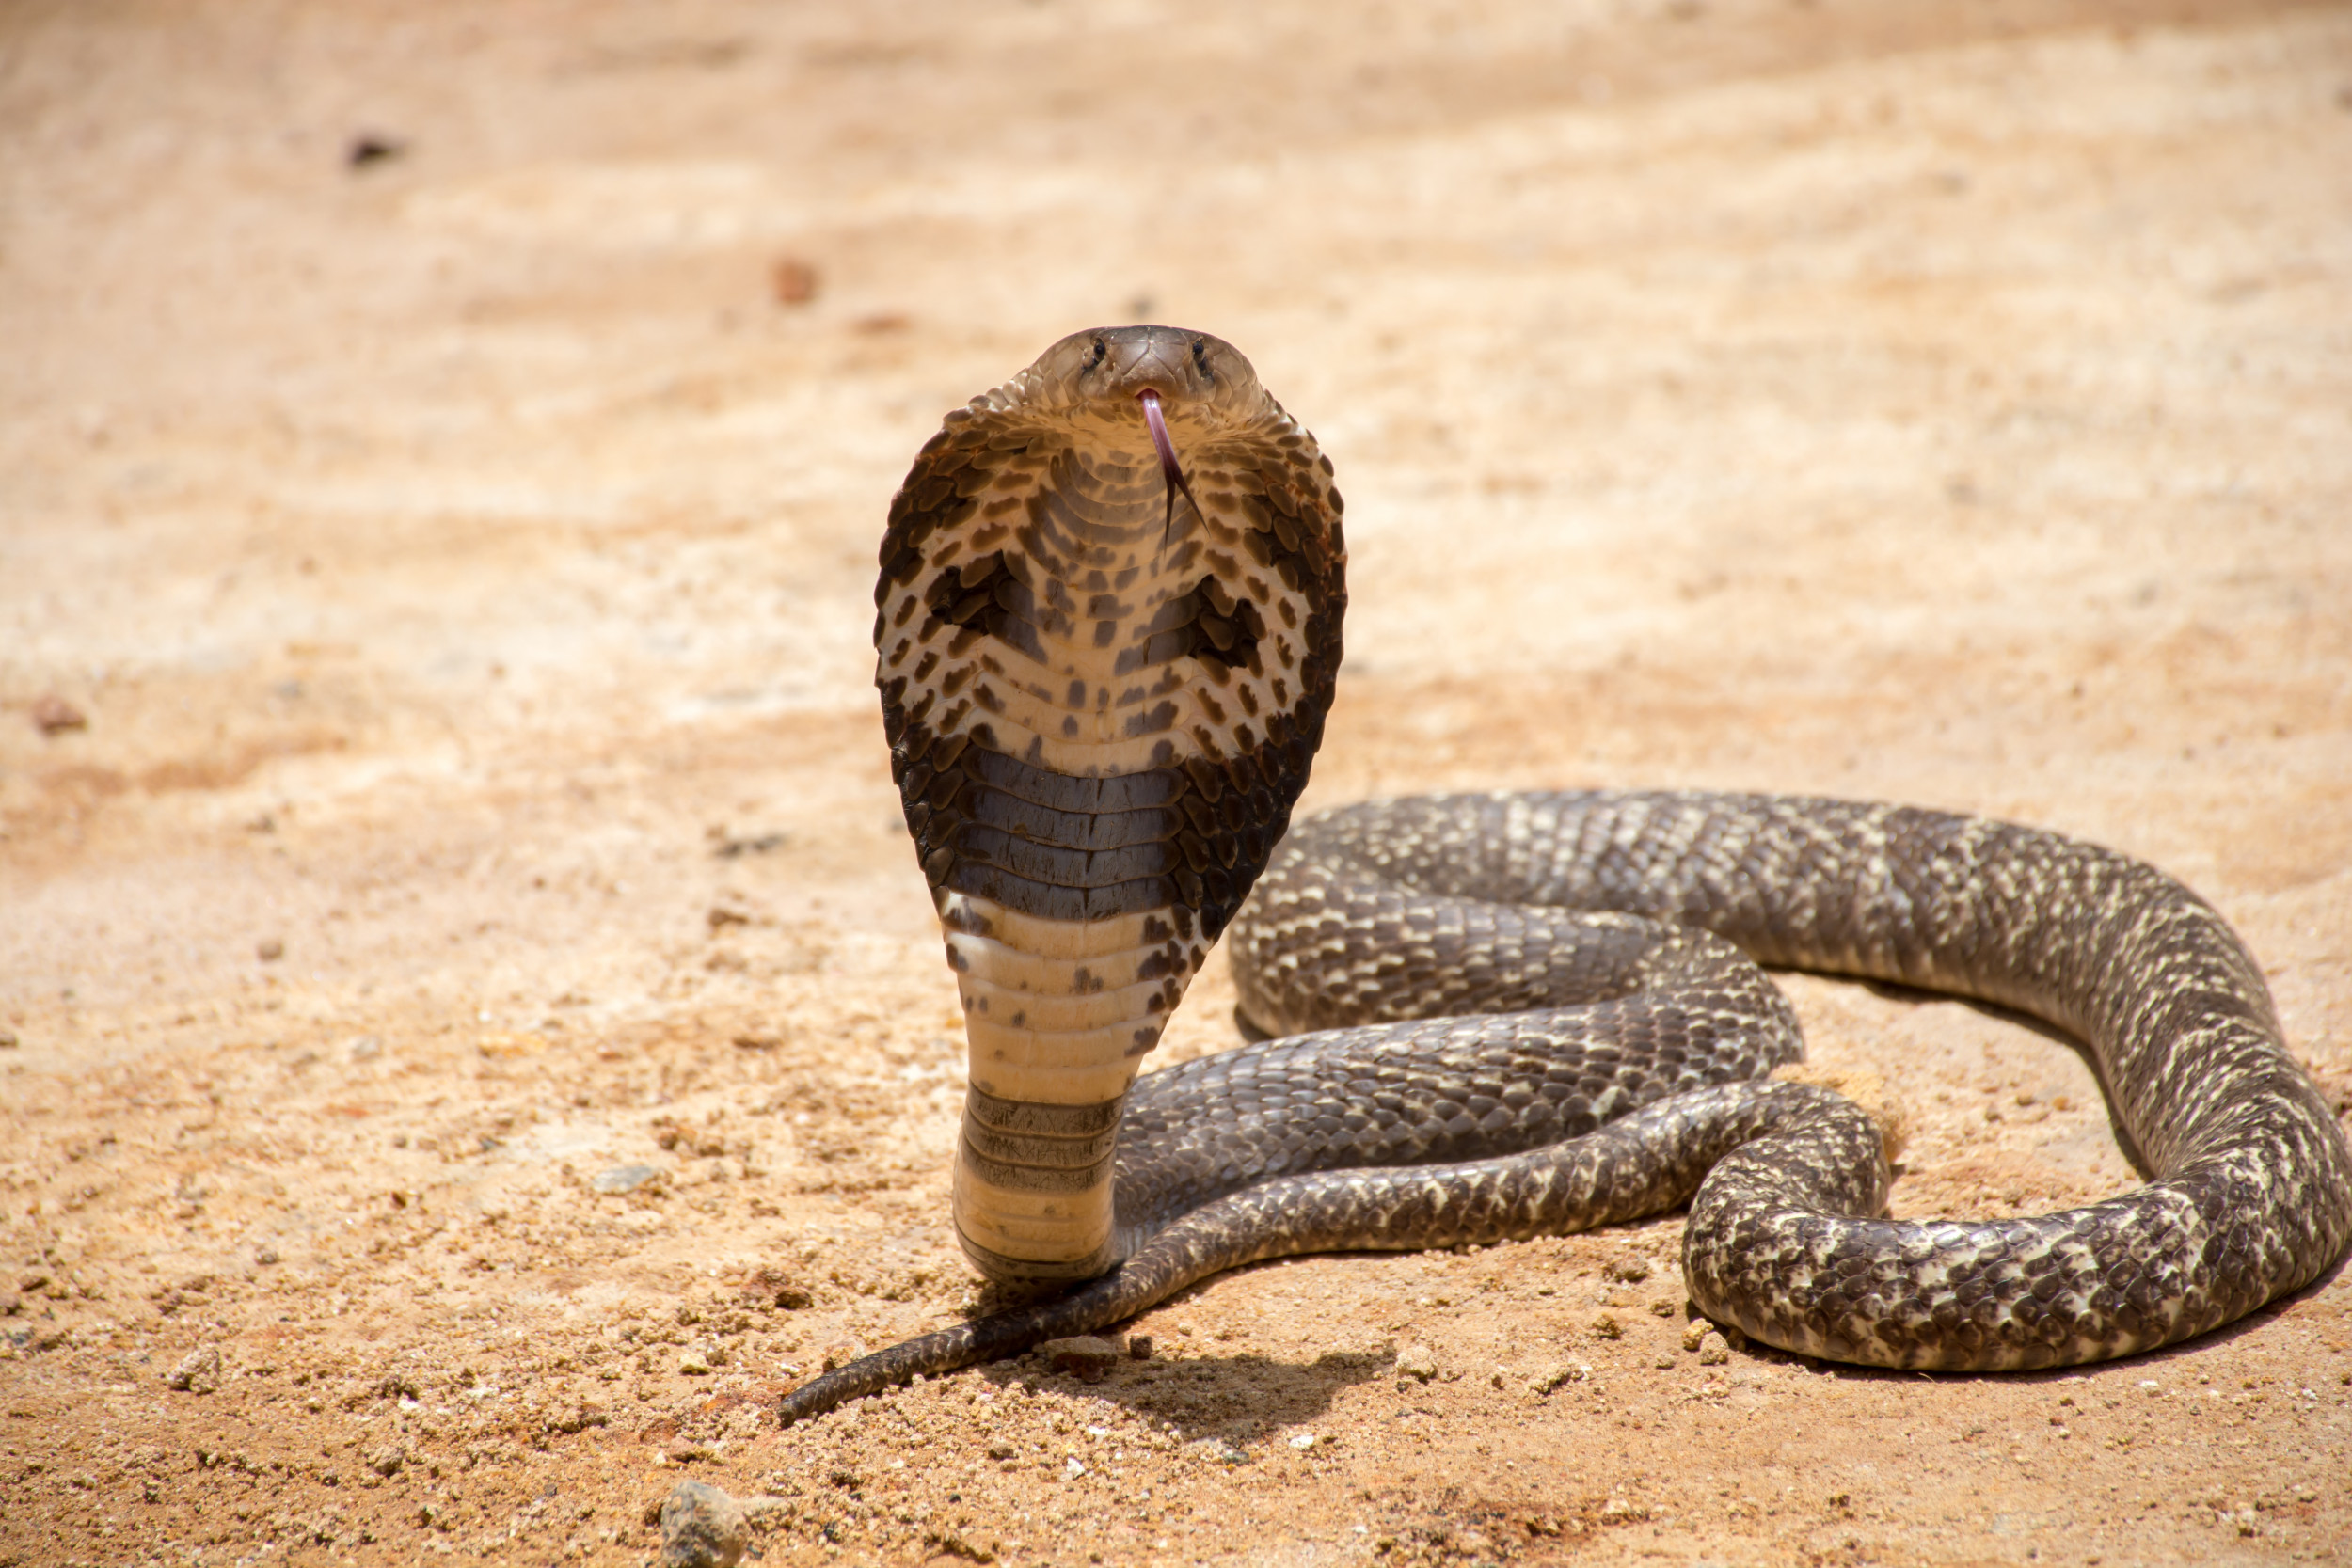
x=472 y=1028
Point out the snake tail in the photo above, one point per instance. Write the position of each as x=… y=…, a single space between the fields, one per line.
x=1647 y=1162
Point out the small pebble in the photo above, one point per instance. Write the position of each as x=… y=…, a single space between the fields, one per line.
x=369 y=147
x=1140 y=1347
x=1607 y=1327
x=1416 y=1361
x=386 y=1461
x=794 y=282
x=1714 y=1350
x=626 y=1178
x=53 y=715
x=199 y=1373
x=1629 y=1271
x=265 y=1255
x=507 y=1045
x=269 y=950
x=1557 y=1373
x=701 y=1528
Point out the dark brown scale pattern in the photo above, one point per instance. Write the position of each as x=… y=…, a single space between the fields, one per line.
x=1194 y=831
x=2252 y=1189
x=1288 y=1146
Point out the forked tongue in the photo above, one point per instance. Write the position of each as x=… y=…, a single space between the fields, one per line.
x=1170 y=470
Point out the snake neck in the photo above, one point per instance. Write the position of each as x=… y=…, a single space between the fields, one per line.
x=1102 y=701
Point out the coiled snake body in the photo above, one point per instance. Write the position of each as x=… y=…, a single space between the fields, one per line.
x=1108 y=630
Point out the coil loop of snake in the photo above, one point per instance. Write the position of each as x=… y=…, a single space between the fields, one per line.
x=1108 y=633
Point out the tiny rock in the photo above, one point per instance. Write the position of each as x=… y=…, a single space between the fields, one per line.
x=1083 y=1356
x=701 y=1528
x=1608 y=1327
x=626 y=1178
x=1629 y=1271
x=1416 y=1361
x=199 y=1373
x=1714 y=1350
x=53 y=715
x=792 y=280
x=1559 y=1372
x=369 y=147
x=386 y=1461
x=507 y=1046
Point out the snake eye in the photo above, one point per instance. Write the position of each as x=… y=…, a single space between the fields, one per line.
x=1101 y=352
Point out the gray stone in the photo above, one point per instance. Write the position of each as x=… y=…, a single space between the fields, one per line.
x=701 y=1528
x=200 y=1372
x=627 y=1179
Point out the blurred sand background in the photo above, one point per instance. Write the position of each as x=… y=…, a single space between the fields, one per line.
x=460 y=964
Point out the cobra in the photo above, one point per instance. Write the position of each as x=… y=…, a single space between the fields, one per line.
x=1109 y=628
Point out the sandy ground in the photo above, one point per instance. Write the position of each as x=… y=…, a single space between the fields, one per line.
x=467 y=1003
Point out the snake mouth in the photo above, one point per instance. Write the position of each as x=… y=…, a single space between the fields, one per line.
x=1172 y=468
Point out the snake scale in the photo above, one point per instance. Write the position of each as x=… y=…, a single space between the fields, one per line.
x=1108 y=628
